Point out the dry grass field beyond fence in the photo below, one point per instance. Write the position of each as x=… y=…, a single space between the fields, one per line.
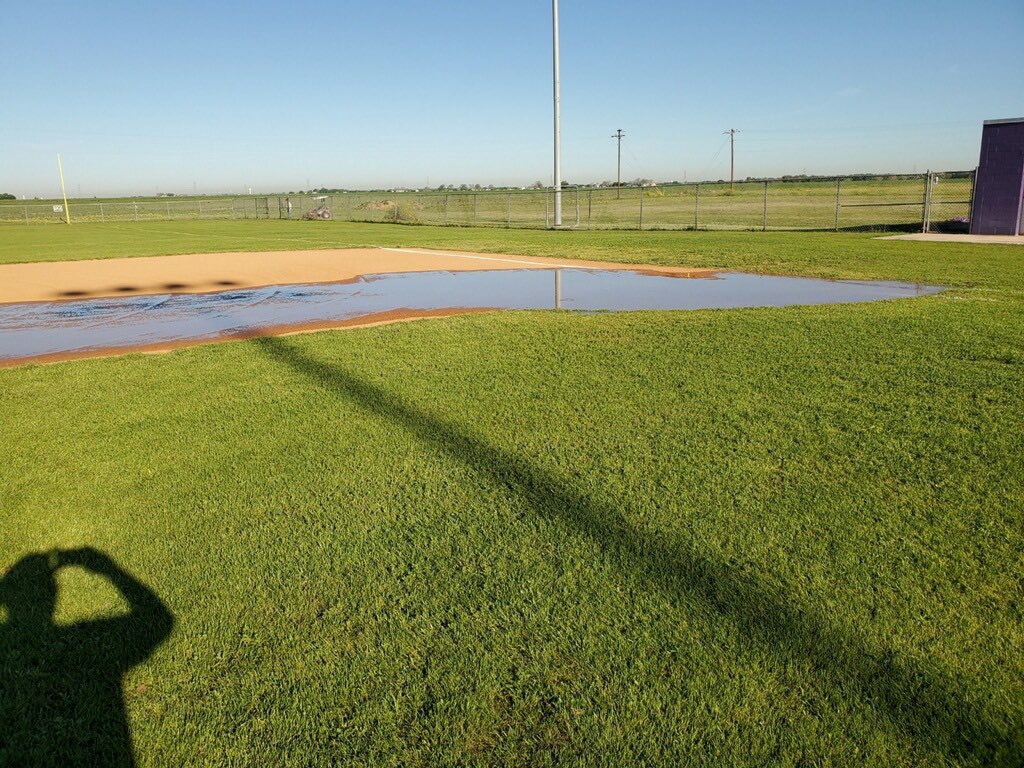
x=872 y=204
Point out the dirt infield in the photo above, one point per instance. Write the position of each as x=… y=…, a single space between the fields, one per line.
x=209 y=272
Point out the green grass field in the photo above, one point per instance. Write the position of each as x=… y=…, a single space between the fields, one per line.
x=744 y=537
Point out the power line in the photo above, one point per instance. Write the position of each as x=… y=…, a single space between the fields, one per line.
x=719 y=150
x=618 y=168
x=865 y=128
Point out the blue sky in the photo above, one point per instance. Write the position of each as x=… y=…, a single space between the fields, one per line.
x=143 y=97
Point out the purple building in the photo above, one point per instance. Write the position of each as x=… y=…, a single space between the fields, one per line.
x=999 y=186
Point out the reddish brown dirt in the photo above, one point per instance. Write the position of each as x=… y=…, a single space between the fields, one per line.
x=210 y=272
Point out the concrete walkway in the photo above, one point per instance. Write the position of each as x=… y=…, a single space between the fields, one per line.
x=934 y=237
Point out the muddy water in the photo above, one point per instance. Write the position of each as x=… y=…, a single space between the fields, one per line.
x=49 y=329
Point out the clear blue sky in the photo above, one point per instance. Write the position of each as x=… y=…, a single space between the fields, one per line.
x=142 y=97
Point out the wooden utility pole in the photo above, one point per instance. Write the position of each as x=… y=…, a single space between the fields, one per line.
x=732 y=155
x=618 y=167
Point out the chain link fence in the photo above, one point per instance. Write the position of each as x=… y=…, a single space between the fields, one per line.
x=920 y=202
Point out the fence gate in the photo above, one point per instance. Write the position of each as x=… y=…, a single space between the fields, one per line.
x=262 y=208
x=948 y=202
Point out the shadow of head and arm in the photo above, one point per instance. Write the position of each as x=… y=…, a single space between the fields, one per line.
x=61 y=698
x=134 y=635
x=919 y=703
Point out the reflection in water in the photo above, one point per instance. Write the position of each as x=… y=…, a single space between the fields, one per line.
x=37 y=329
x=60 y=686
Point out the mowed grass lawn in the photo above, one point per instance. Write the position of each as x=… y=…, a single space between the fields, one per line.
x=746 y=537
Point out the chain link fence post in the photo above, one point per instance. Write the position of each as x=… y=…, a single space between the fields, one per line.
x=590 y=206
x=970 y=205
x=641 y=227
x=764 y=217
x=696 y=206
x=26 y=214
x=838 y=182
x=927 y=204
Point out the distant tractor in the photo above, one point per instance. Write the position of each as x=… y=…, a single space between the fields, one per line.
x=321 y=212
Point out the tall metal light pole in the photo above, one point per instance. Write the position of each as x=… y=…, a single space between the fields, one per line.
x=618 y=167
x=558 y=119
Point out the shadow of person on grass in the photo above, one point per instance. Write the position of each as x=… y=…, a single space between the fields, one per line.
x=922 y=703
x=60 y=686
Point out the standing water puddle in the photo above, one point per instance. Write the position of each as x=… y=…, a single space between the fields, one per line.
x=72 y=328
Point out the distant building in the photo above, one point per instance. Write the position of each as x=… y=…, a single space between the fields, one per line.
x=998 y=204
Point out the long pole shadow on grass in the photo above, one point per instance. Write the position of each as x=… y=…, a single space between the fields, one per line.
x=918 y=702
x=61 y=701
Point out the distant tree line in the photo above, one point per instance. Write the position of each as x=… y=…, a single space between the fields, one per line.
x=7 y=196
x=797 y=178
